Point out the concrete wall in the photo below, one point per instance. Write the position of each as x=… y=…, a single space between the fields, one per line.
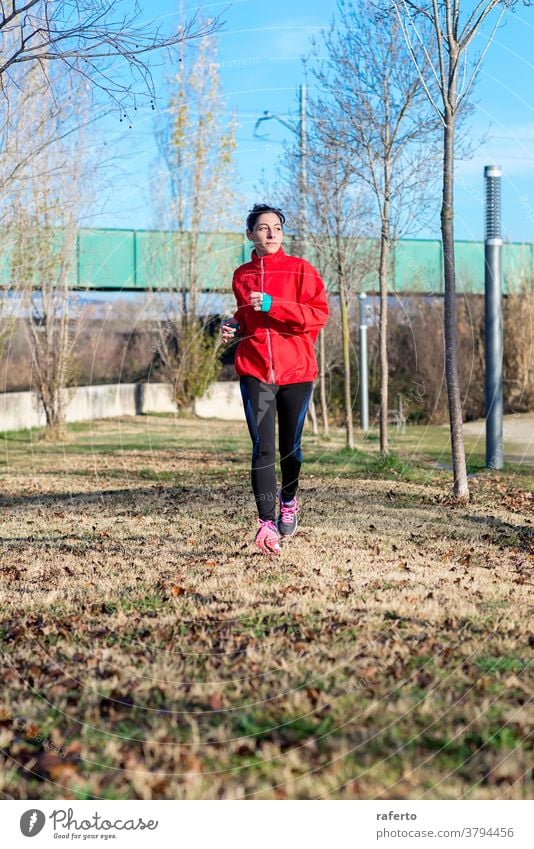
x=155 y=398
x=221 y=401
x=19 y=410
x=86 y=403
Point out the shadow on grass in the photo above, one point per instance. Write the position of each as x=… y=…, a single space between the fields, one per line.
x=505 y=535
x=194 y=499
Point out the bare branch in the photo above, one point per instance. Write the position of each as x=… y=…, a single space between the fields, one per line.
x=439 y=47
x=415 y=59
x=475 y=20
x=85 y=35
x=474 y=74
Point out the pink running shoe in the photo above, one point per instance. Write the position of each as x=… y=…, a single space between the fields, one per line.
x=287 y=520
x=267 y=537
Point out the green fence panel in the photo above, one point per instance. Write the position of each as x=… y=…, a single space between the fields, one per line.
x=363 y=260
x=220 y=254
x=417 y=266
x=469 y=267
x=156 y=254
x=162 y=260
x=152 y=259
x=42 y=265
x=106 y=259
x=517 y=265
x=71 y=256
x=6 y=250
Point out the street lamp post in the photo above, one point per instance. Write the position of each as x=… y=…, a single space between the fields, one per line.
x=364 y=387
x=493 y=319
x=299 y=130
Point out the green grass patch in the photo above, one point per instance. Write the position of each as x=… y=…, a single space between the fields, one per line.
x=505 y=663
x=286 y=732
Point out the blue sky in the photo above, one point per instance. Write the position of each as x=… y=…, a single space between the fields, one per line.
x=260 y=50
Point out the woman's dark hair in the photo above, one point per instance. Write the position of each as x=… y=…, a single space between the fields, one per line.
x=258 y=209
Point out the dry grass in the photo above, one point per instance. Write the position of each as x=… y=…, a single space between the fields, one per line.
x=149 y=652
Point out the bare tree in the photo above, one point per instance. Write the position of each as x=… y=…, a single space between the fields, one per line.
x=48 y=47
x=35 y=119
x=51 y=315
x=197 y=143
x=42 y=211
x=444 y=30
x=96 y=39
x=26 y=129
x=377 y=111
x=339 y=214
x=46 y=170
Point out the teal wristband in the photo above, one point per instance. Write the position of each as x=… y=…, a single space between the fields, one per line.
x=266 y=302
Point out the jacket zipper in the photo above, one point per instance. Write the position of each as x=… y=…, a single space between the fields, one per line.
x=267 y=325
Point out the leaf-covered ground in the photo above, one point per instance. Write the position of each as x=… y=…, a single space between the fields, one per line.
x=148 y=651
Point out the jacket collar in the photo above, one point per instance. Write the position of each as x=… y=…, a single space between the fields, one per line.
x=270 y=259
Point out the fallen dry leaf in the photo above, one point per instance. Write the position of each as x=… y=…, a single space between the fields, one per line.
x=215 y=701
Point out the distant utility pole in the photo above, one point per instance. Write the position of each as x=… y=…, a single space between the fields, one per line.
x=303 y=145
x=299 y=130
x=493 y=318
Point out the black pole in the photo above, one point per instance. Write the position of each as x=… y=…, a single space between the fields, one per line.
x=493 y=319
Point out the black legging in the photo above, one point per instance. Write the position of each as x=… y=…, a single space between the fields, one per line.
x=262 y=401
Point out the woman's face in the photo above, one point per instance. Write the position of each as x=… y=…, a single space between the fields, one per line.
x=267 y=234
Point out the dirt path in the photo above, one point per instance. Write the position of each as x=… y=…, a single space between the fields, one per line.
x=518 y=433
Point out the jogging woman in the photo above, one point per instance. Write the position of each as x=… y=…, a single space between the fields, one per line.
x=281 y=306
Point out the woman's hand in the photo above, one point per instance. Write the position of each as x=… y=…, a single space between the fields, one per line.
x=256 y=299
x=229 y=327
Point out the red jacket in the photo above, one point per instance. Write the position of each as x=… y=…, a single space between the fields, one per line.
x=278 y=346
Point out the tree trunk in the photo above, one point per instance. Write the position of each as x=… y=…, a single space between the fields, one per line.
x=345 y=333
x=461 y=490
x=52 y=402
x=313 y=415
x=322 y=382
x=383 y=328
